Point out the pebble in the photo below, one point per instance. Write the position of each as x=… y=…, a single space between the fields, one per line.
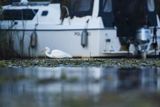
x=82 y=62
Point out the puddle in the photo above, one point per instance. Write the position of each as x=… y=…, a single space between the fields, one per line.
x=79 y=87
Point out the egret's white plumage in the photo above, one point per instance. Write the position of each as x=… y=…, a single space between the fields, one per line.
x=24 y=1
x=56 y=53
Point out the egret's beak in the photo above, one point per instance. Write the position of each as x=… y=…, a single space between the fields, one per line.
x=43 y=50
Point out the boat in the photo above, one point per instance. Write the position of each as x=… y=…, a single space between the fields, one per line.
x=82 y=28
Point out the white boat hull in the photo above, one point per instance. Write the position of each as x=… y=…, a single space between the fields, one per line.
x=68 y=41
x=42 y=25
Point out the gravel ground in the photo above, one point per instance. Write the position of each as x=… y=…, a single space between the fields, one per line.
x=124 y=62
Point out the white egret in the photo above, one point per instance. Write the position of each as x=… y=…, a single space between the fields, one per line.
x=56 y=53
x=24 y=2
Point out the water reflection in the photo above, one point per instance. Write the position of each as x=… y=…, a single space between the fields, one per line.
x=73 y=86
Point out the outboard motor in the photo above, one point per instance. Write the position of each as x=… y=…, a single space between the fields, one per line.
x=143 y=35
x=84 y=38
x=143 y=38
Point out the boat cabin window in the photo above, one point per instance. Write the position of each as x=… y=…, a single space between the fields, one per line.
x=55 y=1
x=105 y=11
x=107 y=6
x=81 y=8
x=16 y=14
x=151 y=13
x=44 y=13
x=151 y=5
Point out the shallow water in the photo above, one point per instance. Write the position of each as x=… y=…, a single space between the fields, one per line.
x=80 y=87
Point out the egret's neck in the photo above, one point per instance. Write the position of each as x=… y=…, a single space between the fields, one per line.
x=47 y=53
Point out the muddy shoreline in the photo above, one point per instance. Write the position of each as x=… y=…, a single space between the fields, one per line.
x=42 y=62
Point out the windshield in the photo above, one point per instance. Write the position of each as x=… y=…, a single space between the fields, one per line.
x=16 y=14
x=81 y=7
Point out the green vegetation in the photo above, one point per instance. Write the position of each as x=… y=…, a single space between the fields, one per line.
x=2 y=64
x=63 y=76
x=79 y=102
x=72 y=79
x=4 y=79
x=46 y=81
